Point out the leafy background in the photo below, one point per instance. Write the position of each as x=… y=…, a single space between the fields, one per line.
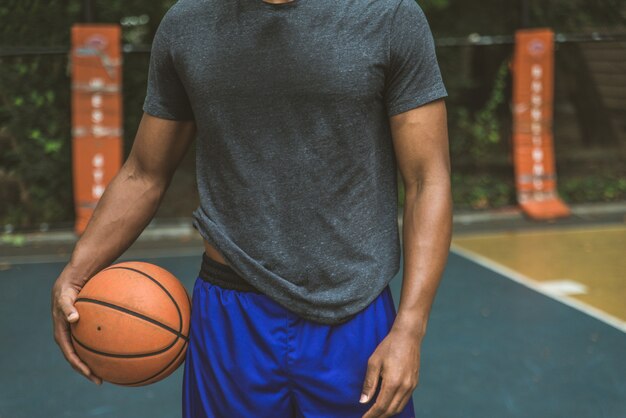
x=35 y=136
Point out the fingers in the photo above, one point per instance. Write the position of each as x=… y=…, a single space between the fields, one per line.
x=400 y=400
x=392 y=398
x=66 y=304
x=64 y=313
x=371 y=379
x=63 y=340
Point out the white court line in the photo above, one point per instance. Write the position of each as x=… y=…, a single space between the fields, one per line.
x=536 y=286
x=564 y=287
x=476 y=258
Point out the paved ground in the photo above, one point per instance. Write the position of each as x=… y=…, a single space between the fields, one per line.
x=496 y=346
x=584 y=264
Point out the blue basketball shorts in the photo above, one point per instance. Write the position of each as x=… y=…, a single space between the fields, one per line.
x=249 y=357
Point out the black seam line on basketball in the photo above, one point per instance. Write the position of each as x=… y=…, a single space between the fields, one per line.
x=102 y=353
x=133 y=313
x=184 y=347
x=180 y=315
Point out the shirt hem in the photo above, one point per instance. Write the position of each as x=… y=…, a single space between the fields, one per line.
x=281 y=299
x=158 y=112
x=430 y=96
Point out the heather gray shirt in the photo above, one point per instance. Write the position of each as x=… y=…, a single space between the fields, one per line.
x=295 y=164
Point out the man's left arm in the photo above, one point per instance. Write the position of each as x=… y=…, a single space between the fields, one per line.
x=420 y=139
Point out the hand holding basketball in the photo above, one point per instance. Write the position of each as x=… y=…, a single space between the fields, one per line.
x=64 y=293
x=134 y=324
x=133 y=328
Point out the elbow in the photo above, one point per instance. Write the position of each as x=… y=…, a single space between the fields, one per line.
x=150 y=183
x=434 y=178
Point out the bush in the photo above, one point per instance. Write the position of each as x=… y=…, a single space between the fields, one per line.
x=35 y=118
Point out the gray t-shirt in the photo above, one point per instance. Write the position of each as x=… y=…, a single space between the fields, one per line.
x=295 y=163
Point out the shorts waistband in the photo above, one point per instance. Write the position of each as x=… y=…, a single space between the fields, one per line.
x=223 y=275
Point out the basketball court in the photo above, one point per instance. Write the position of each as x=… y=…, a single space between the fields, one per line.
x=500 y=343
x=530 y=317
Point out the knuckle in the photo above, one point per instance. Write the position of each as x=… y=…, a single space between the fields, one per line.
x=59 y=315
x=65 y=304
x=408 y=384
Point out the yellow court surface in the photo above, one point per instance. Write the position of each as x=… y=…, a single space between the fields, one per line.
x=586 y=264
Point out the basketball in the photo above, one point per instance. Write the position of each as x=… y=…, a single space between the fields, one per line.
x=133 y=325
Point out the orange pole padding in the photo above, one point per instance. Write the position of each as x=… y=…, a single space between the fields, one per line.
x=97 y=145
x=533 y=149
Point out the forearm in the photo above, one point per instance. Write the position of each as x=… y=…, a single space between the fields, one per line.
x=127 y=206
x=426 y=235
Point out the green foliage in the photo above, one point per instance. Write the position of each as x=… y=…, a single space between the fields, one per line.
x=34 y=139
x=494 y=17
x=481 y=191
x=14 y=240
x=598 y=187
x=480 y=133
x=573 y=15
x=430 y=5
x=35 y=118
x=475 y=191
x=479 y=116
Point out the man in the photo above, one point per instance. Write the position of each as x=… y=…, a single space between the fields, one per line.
x=303 y=111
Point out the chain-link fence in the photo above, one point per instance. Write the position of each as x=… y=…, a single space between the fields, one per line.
x=590 y=110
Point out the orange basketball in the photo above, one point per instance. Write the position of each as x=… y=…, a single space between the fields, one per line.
x=133 y=325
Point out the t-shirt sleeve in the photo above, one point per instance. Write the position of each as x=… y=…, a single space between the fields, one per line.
x=413 y=77
x=165 y=96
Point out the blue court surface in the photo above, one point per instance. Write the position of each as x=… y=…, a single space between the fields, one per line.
x=494 y=348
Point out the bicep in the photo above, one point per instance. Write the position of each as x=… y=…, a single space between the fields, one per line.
x=420 y=141
x=159 y=146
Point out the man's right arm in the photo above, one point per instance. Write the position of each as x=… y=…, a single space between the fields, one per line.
x=124 y=210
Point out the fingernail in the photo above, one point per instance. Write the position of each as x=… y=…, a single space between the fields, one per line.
x=363 y=398
x=71 y=316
